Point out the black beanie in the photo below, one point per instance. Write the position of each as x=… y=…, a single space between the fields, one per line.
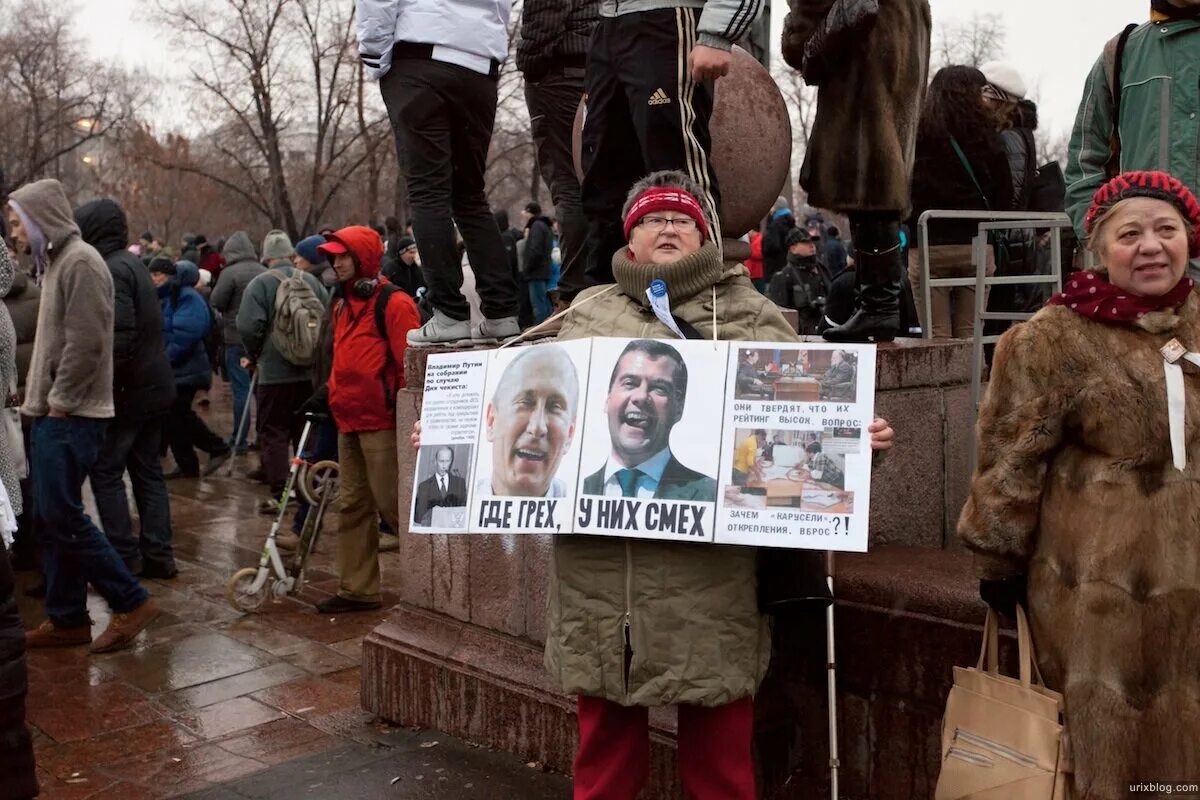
x=797 y=235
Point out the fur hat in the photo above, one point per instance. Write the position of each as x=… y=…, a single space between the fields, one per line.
x=276 y=246
x=1147 y=183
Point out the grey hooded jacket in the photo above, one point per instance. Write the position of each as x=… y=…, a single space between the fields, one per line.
x=242 y=266
x=72 y=365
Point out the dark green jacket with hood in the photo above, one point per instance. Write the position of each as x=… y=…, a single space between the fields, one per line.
x=72 y=365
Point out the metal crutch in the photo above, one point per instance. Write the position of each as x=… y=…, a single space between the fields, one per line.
x=243 y=423
x=831 y=671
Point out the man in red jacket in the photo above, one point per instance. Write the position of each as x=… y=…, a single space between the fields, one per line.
x=371 y=320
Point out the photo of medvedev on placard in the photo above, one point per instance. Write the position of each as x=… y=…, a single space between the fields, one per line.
x=661 y=416
x=797 y=375
x=789 y=468
x=440 y=497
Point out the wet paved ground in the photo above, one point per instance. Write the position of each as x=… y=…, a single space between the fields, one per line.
x=221 y=705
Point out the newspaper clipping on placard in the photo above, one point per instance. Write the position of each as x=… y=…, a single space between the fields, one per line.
x=450 y=411
x=796 y=456
x=650 y=452
x=527 y=460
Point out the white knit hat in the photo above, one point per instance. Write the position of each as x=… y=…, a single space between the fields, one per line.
x=1004 y=76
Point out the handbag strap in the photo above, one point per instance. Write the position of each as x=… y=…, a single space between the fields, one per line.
x=962 y=157
x=1026 y=655
x=989 y=651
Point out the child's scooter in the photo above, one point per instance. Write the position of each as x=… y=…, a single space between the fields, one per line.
x=249 y=588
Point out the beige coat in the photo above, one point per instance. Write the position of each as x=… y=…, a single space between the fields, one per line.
x=695 y=632
x=1076 y=488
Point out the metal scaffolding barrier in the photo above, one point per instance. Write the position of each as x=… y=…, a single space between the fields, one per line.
x=988 y=221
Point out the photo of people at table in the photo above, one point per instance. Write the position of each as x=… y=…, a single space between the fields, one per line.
x=797 y=375
x=796 y=469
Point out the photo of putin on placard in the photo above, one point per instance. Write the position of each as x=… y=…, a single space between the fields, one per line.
x=530 y=422
x=646 y=394
x=444 y=488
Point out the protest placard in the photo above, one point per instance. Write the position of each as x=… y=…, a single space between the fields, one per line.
x=450 y=411
x=527 y=459
x=749 y=443
x=796 y=457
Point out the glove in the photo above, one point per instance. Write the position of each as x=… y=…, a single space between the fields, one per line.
x=318 y=404
x=1003 y=596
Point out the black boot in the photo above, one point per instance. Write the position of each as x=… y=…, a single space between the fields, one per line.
x=878 y=274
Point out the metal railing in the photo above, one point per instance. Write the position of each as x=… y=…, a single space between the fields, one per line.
x=988 y=221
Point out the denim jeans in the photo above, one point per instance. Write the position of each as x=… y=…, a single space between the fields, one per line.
x=540 y=299
x=239 y=382
x=77 y=552
x=133 y=445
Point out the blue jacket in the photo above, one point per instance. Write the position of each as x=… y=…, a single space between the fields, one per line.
x=186 y=322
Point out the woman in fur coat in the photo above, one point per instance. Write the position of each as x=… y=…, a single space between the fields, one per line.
x=1087 y=494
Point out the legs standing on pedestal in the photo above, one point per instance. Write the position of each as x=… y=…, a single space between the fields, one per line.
x=442 y=115
x=553 y=102
x=640 y=92
x=878 y=273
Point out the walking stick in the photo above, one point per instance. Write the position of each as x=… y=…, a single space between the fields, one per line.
x=243 y=422
x=831 y=667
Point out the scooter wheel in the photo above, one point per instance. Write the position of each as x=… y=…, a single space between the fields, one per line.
x=238 y=591
x=317 y=479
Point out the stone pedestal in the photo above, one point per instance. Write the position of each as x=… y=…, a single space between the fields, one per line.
x=462 y=653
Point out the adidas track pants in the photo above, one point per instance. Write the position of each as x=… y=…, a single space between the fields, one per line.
x=644 y=114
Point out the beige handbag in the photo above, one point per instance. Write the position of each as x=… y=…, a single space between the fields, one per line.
x=1003 y=738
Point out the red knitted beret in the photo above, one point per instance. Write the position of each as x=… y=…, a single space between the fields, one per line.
x=666 y=198
x=1147 y=183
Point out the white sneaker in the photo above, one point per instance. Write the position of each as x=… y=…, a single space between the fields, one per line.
x=491 y=330
x=440 y=330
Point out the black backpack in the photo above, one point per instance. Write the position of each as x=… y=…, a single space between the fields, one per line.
x=214 y=340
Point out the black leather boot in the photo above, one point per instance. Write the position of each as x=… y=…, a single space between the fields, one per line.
x=878 y=274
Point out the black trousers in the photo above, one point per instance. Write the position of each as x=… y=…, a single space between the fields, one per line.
x=186 y=432
x=442 y=115
x=644 y=114
x=553 y=102
x=133 y=446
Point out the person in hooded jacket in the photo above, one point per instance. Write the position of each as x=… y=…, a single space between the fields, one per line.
x=143 y=390
x=800 y=285
x=535 y=269
x=69 y=395
x=371 y=321
x=22 y=301
x=242 y=266
x=774 y=244
x=186 y=322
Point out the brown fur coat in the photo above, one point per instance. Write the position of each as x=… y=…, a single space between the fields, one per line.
x=860 y=154
x=1075 y=488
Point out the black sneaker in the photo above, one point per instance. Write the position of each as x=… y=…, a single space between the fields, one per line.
x=156 y=571
x=216 y=460
x=340 y=605
x=175 y=474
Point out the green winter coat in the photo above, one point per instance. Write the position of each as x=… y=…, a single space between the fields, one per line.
x=694 y=629
x=1160 y=112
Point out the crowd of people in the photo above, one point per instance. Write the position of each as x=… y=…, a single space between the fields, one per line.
x=110 y=339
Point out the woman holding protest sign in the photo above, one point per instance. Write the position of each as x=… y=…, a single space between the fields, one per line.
x=1084 y=503
x=636 y=623
x=640 y=623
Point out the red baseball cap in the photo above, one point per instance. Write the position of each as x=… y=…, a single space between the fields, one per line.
x=333 y=247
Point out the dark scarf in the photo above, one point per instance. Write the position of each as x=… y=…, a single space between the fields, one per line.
x=808 y=263
x=1168 y=11
x=1092 y=296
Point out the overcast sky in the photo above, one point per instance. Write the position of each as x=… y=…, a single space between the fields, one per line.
x=1053 y=43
